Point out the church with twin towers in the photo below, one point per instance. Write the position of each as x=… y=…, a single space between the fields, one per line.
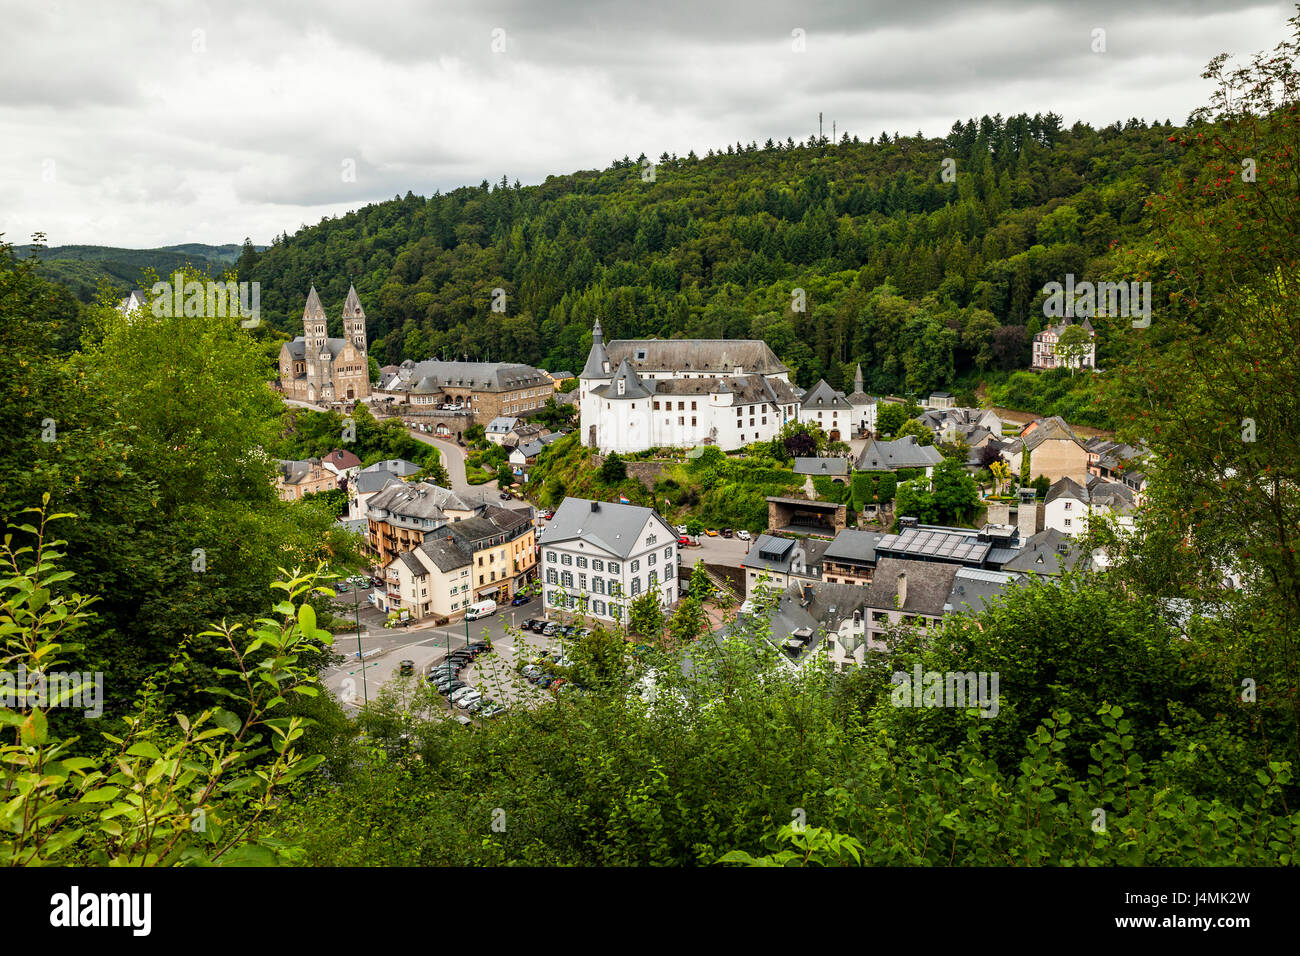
x=317 y=368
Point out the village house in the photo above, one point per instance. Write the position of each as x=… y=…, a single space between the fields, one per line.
x=898 y=454
x=1054 y=450
x=597 y=557
x=1044 y=349
x=524 y=456
x=774 y=563
x=907 y=593
x=400 y=515
x=293 y=479
x=808 y=621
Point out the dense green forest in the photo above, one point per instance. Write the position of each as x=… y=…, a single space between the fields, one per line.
x=920 y=279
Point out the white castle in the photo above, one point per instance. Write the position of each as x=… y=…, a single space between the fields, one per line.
x=647 y=393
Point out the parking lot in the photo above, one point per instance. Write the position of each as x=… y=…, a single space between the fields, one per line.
x=385 y=648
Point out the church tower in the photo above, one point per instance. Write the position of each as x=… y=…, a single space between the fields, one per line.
x=354 y=321
x=316 y=348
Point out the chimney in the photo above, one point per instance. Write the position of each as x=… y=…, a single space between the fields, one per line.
x=900 y=592
x=595 y=506
x=1029 y=516
x=807 y=595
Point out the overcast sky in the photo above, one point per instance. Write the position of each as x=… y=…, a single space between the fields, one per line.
x=136 y=123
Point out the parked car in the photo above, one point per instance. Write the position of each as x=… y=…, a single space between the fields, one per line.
x=743 y=535
x=711 y=533
x=535 y=624
x=681 y=529
x=549 y=630
x=727 y=532
x=519 y=599
x=454 y=688
x=583 y=632
x=478 y=647
x=545 y=681
x=406 y=668
x=505 y=496
x=492 y=711
x=461 y=694
x=359 y=581
x=683 y=541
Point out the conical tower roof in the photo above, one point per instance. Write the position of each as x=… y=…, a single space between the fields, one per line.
x=313 y=309
x=597 y=358
x=352 y=305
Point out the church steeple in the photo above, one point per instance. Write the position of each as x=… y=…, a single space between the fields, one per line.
x=354 y=320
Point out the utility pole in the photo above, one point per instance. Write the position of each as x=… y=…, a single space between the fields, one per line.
x=819 y=127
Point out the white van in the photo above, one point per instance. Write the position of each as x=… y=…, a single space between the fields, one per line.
x=481 y=609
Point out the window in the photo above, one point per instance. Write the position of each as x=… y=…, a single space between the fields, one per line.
x=597 y=586
x=567 y=579
x=480 y=563
x=598 y=608
x=652 y=559
x=597 y=564
x=566 y=559
x=693 y=406
x=582 y=562
x=656 y=406
x=636 y=566
x=751 y=423
x=1067 y=522
x=764 y=419
x=636 y=586
x=550 y=556
x=692 y=421
x=654 y=578
x=668 y=571
x=681 y=419
x=613 y=567
x=582 y=582
x=739 y=411
x=681 y=406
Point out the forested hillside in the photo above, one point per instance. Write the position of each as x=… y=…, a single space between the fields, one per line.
x=82 y=268
x=919 y=278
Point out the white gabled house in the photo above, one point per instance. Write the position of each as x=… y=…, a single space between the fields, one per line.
x=597 y=557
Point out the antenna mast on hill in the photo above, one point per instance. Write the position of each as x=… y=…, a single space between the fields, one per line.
x=819 y=127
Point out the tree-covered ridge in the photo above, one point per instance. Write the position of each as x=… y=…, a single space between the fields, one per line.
x=918 y=278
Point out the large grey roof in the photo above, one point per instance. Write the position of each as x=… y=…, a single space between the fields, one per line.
x=812 y=609
x=858 y=547
x=928 y=586
x=367 y=482
x=612 y=527
x=298 y=347
x=1066 y=487
x=975 y=588
x=495 y=522
x=900 y=453
x=1049 y=429
x=598 y=357
x=822 y=395
x=830 y=467
x=633 y=387
x=420 y=500
x=1042 y=554
x=295 y=472
x=481 y=376
x=393 y=466
x=445 y=552
x=716 y=356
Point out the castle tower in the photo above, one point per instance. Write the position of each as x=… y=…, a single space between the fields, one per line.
x=316 y=350
x=857 y=381
x=354 y=321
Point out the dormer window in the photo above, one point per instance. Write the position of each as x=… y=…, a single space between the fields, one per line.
x=640 y=355
x=621 y=386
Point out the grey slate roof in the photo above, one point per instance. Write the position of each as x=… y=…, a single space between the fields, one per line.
x=854 y=547
x=501 y=425
x=598 y=356
x=611 y=527
x=1066 y=487
x=393 y=466
x=480 y=376
x=445 y=552
x=717 y=356
x=900 y=453
x=1042 y=554
x=811 y=610
x=975 y=588
x=420 y=500
x=928 y=586
x=367 y=482
x=830 y=467
x=1053 y=428
x=822 y=396
x=295 y=472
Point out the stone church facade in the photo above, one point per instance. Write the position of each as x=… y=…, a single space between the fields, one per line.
x=317 y=368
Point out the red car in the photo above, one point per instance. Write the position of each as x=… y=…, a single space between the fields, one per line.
x=683 y=541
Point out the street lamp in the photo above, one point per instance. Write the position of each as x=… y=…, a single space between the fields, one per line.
x=356 y=612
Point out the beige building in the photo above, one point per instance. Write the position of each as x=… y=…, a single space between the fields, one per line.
x=486 y=557
x=477 y=392
x=294 y=479
x=1054 y=450
x=399 y=516
x=317 y=368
